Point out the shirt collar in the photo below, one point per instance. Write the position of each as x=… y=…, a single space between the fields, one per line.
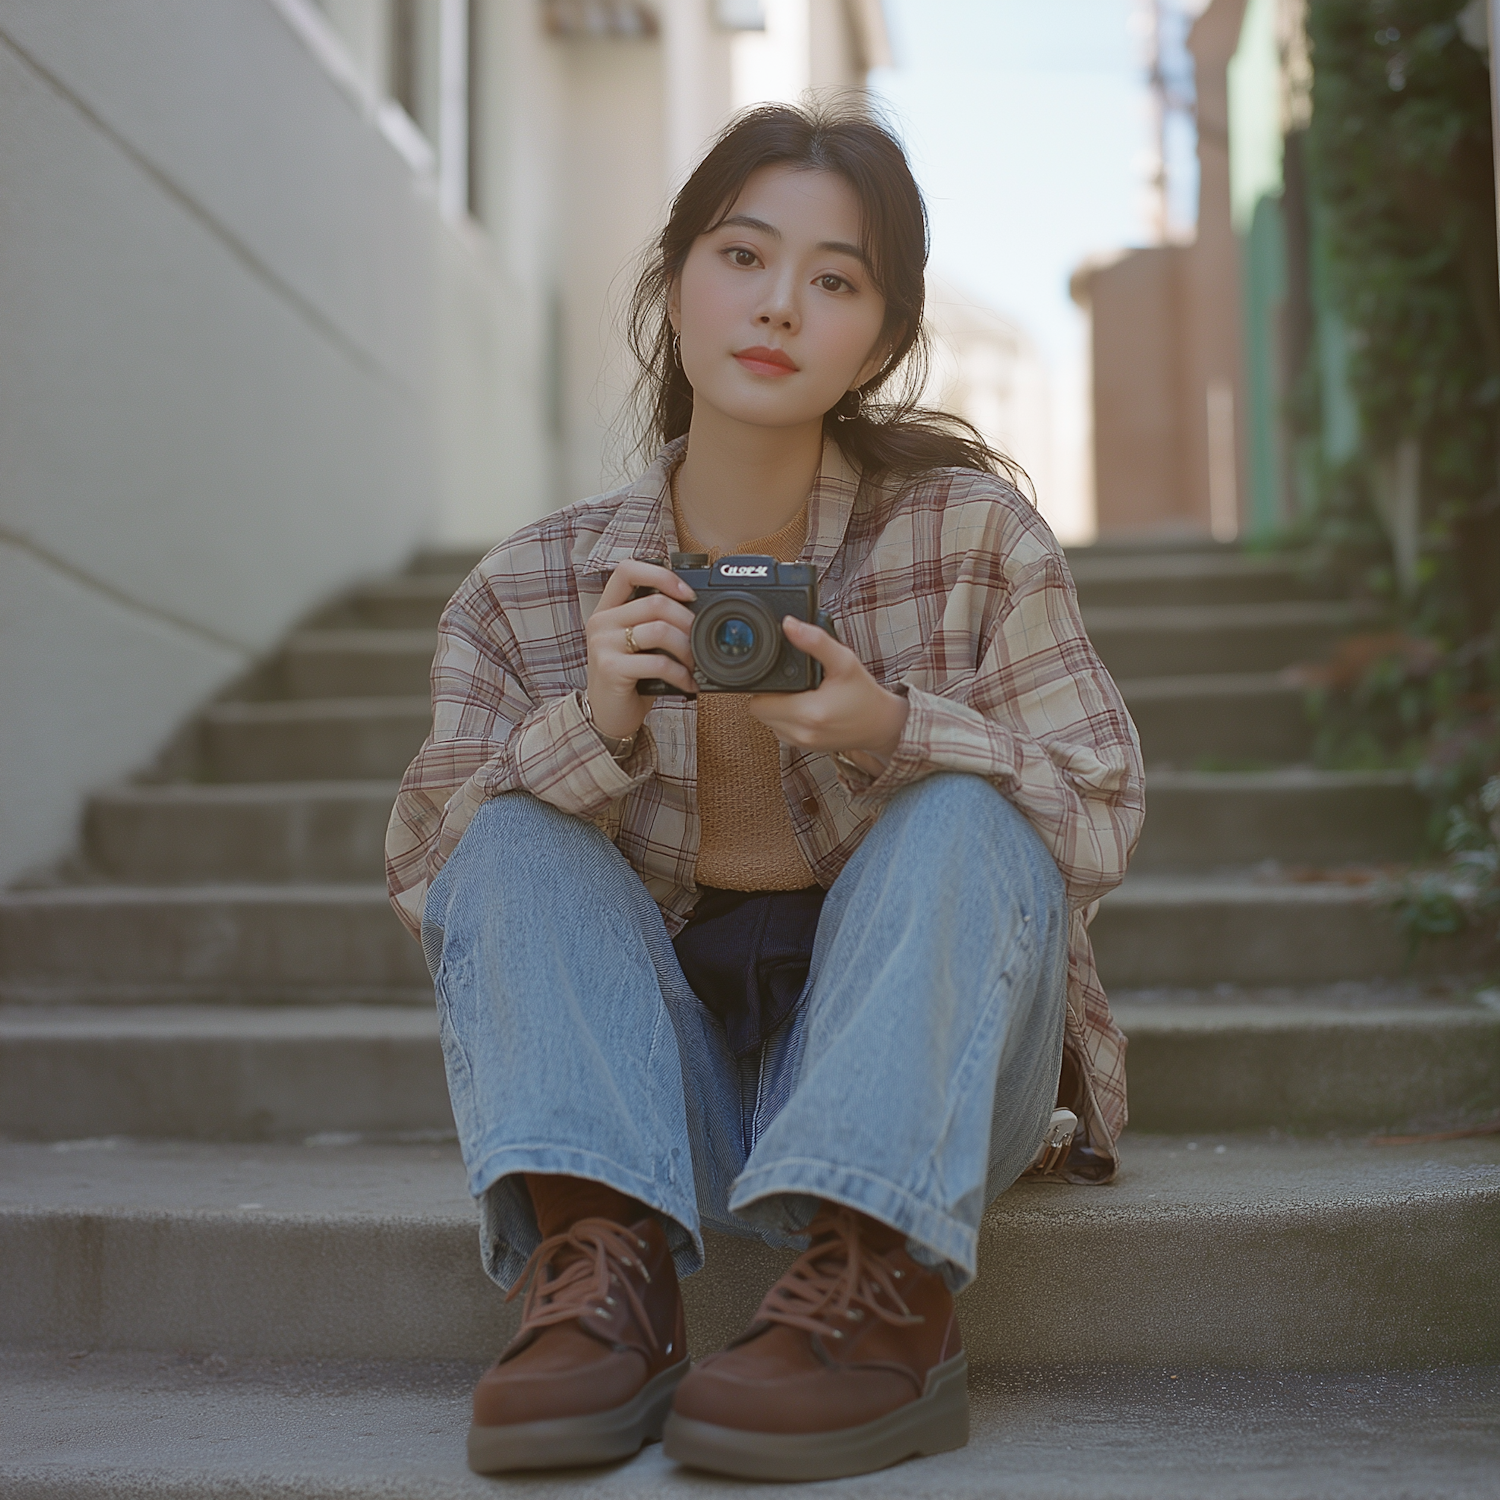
x=829 y=507
x=641 y=525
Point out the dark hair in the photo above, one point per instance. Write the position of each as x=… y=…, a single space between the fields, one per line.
x=893 y=435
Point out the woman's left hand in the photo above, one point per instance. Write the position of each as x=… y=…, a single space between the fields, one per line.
x=850 y=712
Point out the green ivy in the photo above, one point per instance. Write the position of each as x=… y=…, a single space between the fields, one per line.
x=1400 y=162
x=1400 y=173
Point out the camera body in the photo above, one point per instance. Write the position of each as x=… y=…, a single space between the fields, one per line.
x=738 y=643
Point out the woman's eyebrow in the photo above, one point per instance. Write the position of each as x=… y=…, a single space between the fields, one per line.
x=744 y=221
x=842 y=247
x=836 y=247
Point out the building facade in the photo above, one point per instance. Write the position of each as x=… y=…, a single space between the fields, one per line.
x=288 y=290
x=1166 y=341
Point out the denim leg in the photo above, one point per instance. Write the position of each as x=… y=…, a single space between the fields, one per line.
x=571 y=1039
x=922 y=1066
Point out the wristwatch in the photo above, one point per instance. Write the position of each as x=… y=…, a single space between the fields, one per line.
x=619 y=748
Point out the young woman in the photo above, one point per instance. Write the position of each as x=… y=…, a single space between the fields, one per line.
x=811 y=966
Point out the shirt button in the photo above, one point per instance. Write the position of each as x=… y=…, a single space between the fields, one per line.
x=810 y=806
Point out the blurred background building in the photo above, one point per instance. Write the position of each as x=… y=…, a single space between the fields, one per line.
x=1221 y=397
x=1167 y=378
x=988 y=370
x=288 y=289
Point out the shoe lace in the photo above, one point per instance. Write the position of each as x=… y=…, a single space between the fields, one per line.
x=835 y=1282
x=580 y=1287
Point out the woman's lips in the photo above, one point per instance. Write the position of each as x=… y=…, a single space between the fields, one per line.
x=765 y=361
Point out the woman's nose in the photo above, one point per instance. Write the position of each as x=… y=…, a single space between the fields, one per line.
x=778 y=308
x=779 y=316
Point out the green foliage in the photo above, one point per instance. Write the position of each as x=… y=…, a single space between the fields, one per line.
x=1400 y=163
x=1466 y=891
x=1391 y=699
x=1459 y=770
x=1400 y=174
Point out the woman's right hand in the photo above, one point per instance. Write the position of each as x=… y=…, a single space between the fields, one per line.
x=659 y=625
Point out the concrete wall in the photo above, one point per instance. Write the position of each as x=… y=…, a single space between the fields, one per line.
x=698 y=80
x=988 y=371
x=635 y=118
x=251 y=348
x=614 y=146
x=242 y=362
x=1215 y=354
x=1168 y=384
x=1140 y=398
x=833 y=48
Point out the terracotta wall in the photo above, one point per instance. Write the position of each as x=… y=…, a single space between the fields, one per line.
x=1167 y=384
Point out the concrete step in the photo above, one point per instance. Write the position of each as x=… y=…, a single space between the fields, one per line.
x=335 y=830
x=454 y=562
x=327 y=739
x=411 y=601
x=1222 y=721
x=269 y=831
x=1357 y=1059
x=1270 y=1254
x=1310 y=1062
x=359 y=663
x=1134 y=642
x=1236 y=720
x=94 y=1426
x=1105 y=579
x=323 y=944
x=1171 y=541
x=247 y=944
x=1185 y=639
x=1203 y=820
x=1258 y=929
x=222 y=1072
x=1273 y=594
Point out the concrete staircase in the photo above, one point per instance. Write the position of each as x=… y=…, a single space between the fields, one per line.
x=226 y=1132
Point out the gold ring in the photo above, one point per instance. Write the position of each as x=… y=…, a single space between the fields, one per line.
x=630 y=644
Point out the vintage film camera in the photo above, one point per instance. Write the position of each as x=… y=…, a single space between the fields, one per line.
x=738 y=642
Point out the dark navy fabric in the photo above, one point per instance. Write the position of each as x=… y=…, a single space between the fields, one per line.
x=746 y=955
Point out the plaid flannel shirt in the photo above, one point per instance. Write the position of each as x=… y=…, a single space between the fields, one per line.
x=951 y=590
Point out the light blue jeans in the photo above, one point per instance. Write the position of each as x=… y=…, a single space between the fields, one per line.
x=913 y=1081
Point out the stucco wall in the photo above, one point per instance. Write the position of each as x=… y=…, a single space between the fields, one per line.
x=1140 y=328
x=613 y=155
x=243 y=361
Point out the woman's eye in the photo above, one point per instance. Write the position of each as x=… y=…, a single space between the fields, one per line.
x=742 y=257
x=831 y=283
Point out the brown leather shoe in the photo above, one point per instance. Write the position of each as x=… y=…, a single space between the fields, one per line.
x=602 y=1345
x=853 y=1362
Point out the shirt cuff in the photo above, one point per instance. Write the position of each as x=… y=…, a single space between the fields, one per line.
x=560 y=758
x=938 y=735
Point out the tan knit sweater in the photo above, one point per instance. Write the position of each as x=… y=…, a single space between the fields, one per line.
x=747 y=843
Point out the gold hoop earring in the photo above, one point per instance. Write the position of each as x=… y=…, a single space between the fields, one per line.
x=677 y=349
x=859 y=401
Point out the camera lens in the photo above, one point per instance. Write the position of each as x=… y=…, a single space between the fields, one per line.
x=734 y=639
x=736 y=642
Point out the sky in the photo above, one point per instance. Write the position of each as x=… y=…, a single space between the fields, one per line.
x=1030 y=129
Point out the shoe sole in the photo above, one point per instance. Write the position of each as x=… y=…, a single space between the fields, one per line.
x=936 y=1422
x=564 y=1442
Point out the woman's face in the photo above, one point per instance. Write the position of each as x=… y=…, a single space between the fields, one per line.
x=776 y=309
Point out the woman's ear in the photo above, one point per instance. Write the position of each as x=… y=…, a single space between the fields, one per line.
x=885 y=346
x=674 y=304
x=873 y=365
